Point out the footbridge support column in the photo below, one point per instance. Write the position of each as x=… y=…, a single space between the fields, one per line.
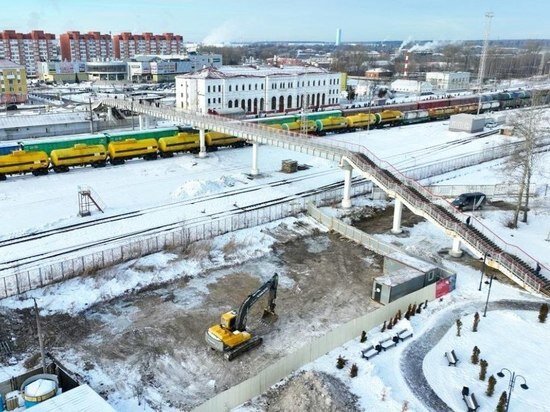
x=397 y=211
x=254 y=171
x=455 y=250
x=346 y=200
x=202 y=143
x=141 y=122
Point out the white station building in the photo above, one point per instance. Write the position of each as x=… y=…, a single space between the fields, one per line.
x=257 y=89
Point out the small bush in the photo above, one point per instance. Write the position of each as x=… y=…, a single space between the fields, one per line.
x=543 y=312
x=501 y=407
x=341 y=362
x=491 y=386
x=483 y=371
x=363 y=337
x=475 y=355
x=353 y=370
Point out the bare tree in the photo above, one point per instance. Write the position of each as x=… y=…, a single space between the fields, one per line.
x=529 y=125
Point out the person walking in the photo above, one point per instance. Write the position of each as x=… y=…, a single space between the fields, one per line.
x=468 y=220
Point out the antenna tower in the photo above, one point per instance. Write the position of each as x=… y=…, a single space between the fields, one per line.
x=488 y=16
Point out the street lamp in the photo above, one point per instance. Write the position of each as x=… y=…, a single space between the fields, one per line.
x=490 y=282
x=512 y=383
x=483 y=269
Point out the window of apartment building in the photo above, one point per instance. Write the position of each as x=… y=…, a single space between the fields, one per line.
x=208 y=89
x=229 y=87
x=219 y=99
x=256 y=86
x=208 y=101
x=220 y=88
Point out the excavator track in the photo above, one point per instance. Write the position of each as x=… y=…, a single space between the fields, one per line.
x=245 y=347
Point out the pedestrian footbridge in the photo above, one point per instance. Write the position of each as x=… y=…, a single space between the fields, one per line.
x=478 y=239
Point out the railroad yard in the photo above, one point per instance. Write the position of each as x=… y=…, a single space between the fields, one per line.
x=135 y=331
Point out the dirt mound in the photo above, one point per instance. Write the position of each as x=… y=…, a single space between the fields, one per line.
x=311 y=391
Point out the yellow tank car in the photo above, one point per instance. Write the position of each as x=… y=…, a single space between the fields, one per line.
x=79 y=155
x=20 y=162
x=275 y=126
x=442 y=112
x=331 y=124
x=361 y=120
x=389 y=117
x=182 y=142
x=297 y=126
x=216 y=139
x=121 y=151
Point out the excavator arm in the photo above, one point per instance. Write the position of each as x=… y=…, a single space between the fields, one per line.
x=269 y=286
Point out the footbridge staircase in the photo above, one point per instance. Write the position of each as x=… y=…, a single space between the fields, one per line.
x=509 y=259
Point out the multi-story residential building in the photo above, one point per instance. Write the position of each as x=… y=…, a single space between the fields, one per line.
x=449 y=81
x=128 y=45
x=257 y=89
x=85 y=47
x=28 y=49
x=165 y=68
x=13 y=82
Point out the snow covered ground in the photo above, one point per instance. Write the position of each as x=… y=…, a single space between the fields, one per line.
x=511 y=339
x=32 y=204
x=181 y=188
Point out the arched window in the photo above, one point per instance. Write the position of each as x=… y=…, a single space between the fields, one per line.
x=256 y=105
x=323 y=99
x=249 y=106
x=273 y=103
x=261 y=104
x=298 y=101
x=236 y=103
x=289 y=102
x=230 y=104
x=281 y=104
x=243 y=105
x=313 y=99
x=307 y=100
x=318 y=99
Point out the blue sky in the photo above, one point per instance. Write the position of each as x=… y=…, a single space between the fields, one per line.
x=252 y=20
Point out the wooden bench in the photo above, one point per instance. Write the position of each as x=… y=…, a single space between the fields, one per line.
x=369 y=352
x=404 y=334
x=451 y=358
x=469 y=399
x=387 y=343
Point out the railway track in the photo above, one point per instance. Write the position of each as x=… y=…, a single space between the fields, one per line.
x=36 y=258
x=142 y=212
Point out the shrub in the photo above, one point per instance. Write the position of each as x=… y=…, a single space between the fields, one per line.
x=475 y=355
x=501 y=407
x=543 y=312
x=483 y=371
x=363 y=336
x=341 y=362
x=491 y=386
x=353 y=370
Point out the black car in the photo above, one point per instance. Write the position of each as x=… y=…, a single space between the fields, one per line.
x=470 y=201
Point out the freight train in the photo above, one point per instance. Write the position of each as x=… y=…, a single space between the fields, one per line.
x=38 y=157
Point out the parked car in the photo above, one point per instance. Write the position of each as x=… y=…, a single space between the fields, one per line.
x=470 y=201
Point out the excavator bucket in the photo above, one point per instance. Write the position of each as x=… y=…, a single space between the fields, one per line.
x=269 y=317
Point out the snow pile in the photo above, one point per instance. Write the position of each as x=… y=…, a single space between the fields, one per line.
x=310 y=391
x=195 y=188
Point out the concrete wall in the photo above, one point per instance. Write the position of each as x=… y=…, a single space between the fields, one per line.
x=316 y=348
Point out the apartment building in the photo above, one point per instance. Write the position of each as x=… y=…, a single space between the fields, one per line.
x=127 y=45
x=28 y=49
x=85 y=47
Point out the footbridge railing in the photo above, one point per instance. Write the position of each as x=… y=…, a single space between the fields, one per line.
x=510 y=259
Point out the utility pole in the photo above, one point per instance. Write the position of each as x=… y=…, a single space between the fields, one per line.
x=488 y=16
x=91 y=115
x=40 y=340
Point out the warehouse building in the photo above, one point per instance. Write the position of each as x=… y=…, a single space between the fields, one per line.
x=257 y=89
x=449 y=81
x=411 y=86
x=164 y=68
x=65 y=71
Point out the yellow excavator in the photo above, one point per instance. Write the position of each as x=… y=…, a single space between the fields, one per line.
x=230 y=336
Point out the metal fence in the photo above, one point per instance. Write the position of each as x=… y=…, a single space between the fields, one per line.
x=318 y=347
x=368 y=241
x=428 y=173
x=495 y=191
x=22 y=279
